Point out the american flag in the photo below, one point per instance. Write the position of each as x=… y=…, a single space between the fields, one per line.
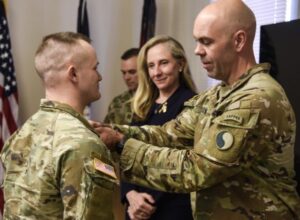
x=8 y=87
x=8 y=84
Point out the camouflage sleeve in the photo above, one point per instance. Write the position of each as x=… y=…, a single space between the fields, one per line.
x=253 y=128
x=109 y=118
x=119 y=110
x=170 y=170
x=4 y=156
x=83 y=188
x=177 y=133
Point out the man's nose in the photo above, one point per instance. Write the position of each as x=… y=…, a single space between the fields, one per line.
x=126 y=76
x=99 y=76
x=199 y=50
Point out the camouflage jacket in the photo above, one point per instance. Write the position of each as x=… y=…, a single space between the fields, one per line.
x=56 y=167
x=241 y=162
x=119 y=110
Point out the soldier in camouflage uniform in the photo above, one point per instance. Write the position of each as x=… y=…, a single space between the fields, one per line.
x=119 y=110
x=242 y=131
x=56 y=166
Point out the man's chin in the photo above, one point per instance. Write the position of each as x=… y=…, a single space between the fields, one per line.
x=212 y=75
x=95 y=99
x=131 y=88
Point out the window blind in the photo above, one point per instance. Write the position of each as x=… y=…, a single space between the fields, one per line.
x=270 y=12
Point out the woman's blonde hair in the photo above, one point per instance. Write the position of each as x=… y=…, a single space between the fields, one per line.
x=147 y=92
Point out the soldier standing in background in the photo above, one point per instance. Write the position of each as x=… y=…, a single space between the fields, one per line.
x=56 y=166
x=119 y=110
x=242 y=131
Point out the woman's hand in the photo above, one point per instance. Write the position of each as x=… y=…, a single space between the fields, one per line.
x=141 y=205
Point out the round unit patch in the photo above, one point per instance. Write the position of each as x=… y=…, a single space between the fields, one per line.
x=224 y=140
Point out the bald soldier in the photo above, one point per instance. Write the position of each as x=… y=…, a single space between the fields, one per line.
x=242 y=131
x=56 y=166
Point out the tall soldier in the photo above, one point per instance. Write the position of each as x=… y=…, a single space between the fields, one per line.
x=242 y=130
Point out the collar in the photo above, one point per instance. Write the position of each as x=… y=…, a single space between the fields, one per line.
x=258 y=68
x=49 y=105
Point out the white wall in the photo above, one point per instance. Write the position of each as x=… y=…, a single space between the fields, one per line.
x=29 y=21
x=114 y=26
x=298 y=9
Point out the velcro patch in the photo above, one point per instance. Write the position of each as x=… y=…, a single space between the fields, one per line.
x=224 y=140
x=234 y=117
x=234 y=105
x=104 y=168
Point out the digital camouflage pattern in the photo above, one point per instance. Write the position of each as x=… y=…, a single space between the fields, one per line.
x=241 y=162
x=119 y=110
x=50 y=171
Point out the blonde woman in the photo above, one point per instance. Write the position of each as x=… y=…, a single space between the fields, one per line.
x=165 y=83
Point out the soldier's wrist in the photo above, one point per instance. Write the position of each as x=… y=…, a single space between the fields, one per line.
x=120 y=145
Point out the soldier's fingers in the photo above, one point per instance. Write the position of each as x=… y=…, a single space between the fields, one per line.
x=94 y=124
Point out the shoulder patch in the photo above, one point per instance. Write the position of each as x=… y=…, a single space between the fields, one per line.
x=104 y=168
x=234 y=117
x=224 y=140
x=234 y=105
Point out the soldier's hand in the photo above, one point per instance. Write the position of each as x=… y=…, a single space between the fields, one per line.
x=141 y=205
x=109 y=136
x=95 y=124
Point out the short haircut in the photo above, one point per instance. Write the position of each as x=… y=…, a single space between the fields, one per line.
x=132 y=52
x=55 y=49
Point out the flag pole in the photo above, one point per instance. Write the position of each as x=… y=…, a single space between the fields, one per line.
x=148 y=21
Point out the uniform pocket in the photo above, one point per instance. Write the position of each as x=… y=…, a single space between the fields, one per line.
x=98 y=193
x=98 y=178
x=224 y=140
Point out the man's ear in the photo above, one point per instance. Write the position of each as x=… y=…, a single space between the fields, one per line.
x=72 y=74
x=240 y=39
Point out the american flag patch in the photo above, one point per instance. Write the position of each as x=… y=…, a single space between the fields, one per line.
x=104 y=168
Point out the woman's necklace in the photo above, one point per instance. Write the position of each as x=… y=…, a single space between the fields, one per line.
x=161 y=108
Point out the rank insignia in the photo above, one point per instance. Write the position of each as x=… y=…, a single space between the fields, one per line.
x=224 y=140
